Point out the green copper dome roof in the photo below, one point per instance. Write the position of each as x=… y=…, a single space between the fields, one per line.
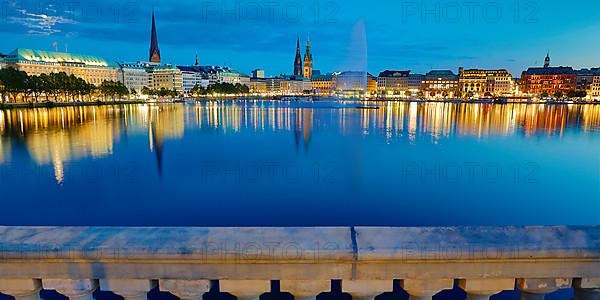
x=32 y=55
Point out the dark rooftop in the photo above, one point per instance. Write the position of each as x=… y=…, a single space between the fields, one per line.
x=550 y=71
x=592 y=71
x=391 y=73
x=444 y=74
x=191 y=69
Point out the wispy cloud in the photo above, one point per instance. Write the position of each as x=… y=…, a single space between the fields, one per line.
x=43 y=21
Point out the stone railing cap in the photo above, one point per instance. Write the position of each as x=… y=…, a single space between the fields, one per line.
x=469 y=243
x=317 y=244
x=173 y=243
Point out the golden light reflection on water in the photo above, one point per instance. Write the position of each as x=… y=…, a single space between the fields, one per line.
x=53 y=136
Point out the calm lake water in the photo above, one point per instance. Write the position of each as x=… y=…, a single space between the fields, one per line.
x=274 y=163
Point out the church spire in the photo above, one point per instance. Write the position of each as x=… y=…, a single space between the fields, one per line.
x=298 y=67
x=196 y=64
x=308 y=61
x=154 y=50
x=547 y=61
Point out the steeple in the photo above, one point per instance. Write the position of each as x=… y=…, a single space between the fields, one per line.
x=154 y=50
x=298 y=71
x=308 y=53
x=308 y=61
x=547 y=61
x=196 y=64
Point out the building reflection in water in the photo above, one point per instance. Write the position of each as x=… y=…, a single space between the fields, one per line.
x=165 y=123
x=303 y=125
x=55 y=136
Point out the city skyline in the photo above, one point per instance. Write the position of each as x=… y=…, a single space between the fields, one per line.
x=270 y=45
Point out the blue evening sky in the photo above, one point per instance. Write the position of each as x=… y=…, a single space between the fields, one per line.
x=344 y=34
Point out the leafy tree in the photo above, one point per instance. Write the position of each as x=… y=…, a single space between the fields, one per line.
x=576 y=94
x=544 y=95
x=198 y=91
x=407 y=94
x=34 y=86
x=49 y=87
x=163 y=92
x=458 y=94
x=558 y=95
x=148 y=91
x=228 y=88
x=13 y=82
x=113 y=89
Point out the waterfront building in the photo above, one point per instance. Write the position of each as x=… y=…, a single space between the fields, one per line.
x=273 y=85
x=258 y=85
x=182 y=79
x=594 y=92
x=134 y=76
x=227 y=75
x=393 y=82
x=354 y=84
x=371 y=84
x=414 y=83
x=324 y=85
x=438 y=84
x=166 y=77
x=548 y=80
x=479 y=83
x=351 y=83
x=154 y=50
x=308 y=61
x=258 y=73
x=244 y=79
x=192 y=76
x=294 y=85
x=218 y=74
x=92 y=69
x=585 y=80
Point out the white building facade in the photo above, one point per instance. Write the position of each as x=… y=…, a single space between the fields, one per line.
x=135 y=76
x=191 y=77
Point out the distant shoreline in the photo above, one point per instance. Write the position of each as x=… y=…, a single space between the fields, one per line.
x=67 y=104
x=4 y=106
x=317 y=99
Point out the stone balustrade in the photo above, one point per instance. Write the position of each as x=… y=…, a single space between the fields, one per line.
x=189 y=262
